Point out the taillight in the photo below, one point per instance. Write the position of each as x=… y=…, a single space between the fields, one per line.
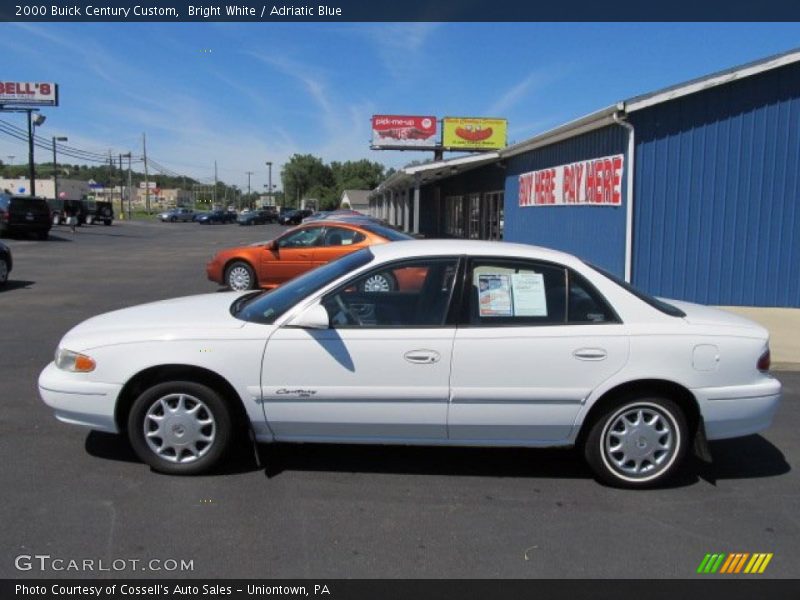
x=763 y=362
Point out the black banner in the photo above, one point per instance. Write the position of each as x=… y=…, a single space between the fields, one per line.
x=373 y=589
x=407 y=10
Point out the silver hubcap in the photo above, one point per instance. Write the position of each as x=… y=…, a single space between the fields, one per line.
x=3 y=271
x=377 y=283
x=640 y=441
x=239 y=279
x=179 y=428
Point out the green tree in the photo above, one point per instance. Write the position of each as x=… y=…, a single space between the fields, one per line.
x=302 y=174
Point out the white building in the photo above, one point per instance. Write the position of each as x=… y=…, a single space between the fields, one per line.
x=72 y=189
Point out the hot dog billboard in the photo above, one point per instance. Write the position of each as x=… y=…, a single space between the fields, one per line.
x=398 y=131
x=474 y=133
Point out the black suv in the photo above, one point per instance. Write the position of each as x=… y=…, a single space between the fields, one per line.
x=24 y=214
x=59 y=208
x=100 y=211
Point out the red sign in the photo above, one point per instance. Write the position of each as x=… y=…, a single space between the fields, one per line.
x=396 y=131
x=28 y=93
x=596 y=182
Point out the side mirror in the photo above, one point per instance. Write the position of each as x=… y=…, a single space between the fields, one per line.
x=272 y=245
x=314 y=317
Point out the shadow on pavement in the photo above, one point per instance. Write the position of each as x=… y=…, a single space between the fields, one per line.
x=16 y=284
x=742 y=458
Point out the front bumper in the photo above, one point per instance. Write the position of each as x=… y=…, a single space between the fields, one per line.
x=214 y=272
x=78 y=401
x=737 y=411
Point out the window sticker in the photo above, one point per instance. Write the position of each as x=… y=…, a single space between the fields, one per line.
x=494 y=295
x=528 y=295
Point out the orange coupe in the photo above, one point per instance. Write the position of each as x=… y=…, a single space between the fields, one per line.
x=267 y=265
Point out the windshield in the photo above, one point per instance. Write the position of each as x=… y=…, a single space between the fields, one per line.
x=664 y=307
x=385 y=232
x=268 y=306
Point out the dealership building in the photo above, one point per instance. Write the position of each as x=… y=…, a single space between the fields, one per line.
x=688 y=192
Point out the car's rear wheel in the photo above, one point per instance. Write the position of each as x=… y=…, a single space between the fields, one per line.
x=638 y=442
x=180 y=427
x=239 y=276
x=3 y=271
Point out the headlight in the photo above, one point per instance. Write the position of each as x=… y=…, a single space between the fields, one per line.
x=67 y=360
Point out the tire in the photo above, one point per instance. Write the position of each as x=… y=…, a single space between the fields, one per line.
x=190 y=428
x=379 y=282
x=107 y=222
x=3 y=271
x=239 y=276
x=617 y=439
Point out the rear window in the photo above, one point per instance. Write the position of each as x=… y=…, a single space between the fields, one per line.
x=385 y=232
x=28 y=204
x=665 y=307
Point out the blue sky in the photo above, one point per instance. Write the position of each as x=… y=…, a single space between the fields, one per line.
x=243 y=94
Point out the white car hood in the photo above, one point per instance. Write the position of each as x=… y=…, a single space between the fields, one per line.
x=698 y=314
x=201 y=316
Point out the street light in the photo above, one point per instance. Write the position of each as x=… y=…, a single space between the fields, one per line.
x=55 y=165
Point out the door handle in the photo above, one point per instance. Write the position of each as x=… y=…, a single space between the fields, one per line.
x=590 y=354
x=422 y=357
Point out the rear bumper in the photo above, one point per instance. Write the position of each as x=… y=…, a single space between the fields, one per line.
x=737 y=411
x=78 y=401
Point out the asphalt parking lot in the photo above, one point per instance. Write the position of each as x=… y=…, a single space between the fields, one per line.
x=338 y=511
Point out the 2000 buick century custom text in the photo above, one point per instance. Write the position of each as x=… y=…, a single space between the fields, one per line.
x=501 y=345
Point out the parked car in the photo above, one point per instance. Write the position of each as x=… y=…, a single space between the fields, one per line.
x=256 y=217
x=100 y=212
x=177 y=214
x=216 y=216
x=502 y=345
x=24 y=214
x=6 y=263
x=271 y=263
x=294 y=217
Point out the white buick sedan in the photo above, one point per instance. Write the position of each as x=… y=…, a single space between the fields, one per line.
x=477 y=343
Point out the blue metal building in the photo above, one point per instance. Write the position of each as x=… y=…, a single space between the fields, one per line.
x=707 y=197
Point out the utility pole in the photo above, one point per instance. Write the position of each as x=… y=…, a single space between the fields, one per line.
x=121 y=195
x=214 y=196
x=55 y=166
x=31 y=166
x=269 y=183
x=146 y=177
x=130 y=187
x=248 y=188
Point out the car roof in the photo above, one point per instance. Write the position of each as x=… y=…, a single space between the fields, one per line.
x=413 y=248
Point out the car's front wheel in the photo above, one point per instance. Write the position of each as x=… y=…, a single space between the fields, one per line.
x=240 y=276
x=3 y=271
x=637 y=443
x=180 y=427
